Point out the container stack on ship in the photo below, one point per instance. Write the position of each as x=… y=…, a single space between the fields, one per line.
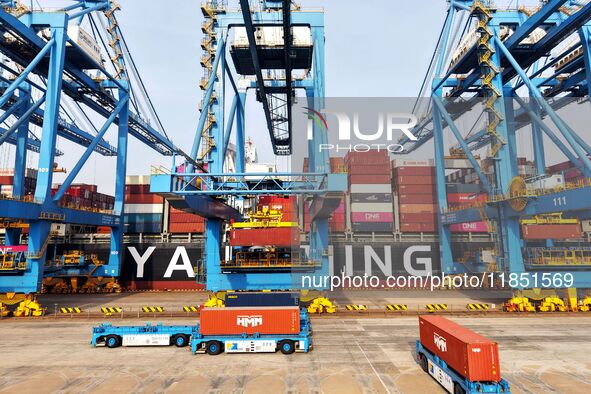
x=371 y=208
x=7 y=182
x=413 y=184
x=143 y=210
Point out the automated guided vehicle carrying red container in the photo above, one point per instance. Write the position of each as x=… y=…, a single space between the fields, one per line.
x=471 y=355
x=238 y=320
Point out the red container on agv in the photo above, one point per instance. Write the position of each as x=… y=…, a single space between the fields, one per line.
x=272 y=236
x=469 y=354
x=239 y=320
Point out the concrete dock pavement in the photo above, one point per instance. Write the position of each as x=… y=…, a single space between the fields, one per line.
x=538 y=355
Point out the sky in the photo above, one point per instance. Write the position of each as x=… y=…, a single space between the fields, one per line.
x=377 y=48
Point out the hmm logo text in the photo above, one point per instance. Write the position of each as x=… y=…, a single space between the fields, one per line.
x=249 y=321
x=440 y=342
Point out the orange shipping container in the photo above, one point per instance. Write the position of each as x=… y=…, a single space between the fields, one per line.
x=473 y=356
x=551 y=231
x=418 y=208
x=239 y=320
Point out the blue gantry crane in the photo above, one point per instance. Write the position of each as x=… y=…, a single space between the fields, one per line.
x=264 y=56
x=51 y=64
x=519 y=66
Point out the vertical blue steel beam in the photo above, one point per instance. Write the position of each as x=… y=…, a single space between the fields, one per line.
x=585 y=36
x=318 y=161
x=510 y=124
x=117 y=247
x=505 y=170
x=51 y=110
x=240 y=137
x=229 y=124
x=39 y=229
x=20 y=158
x=213 y=227
x=538 y=143
x=445 y=254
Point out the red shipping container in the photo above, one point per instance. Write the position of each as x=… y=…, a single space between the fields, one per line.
x=414 y=171
x=239 y=320
x=418 y=218
x=373 y=157
x=466 y=198
x=416 y=189
x=274 y=236
x=179 y=228
x=416 y=199
x=414 y=180
x=372 y=217
x=369 y=179
x=143 y=199
x=551 y=231
x=418 y=208
x=137 y=189
x=469 y=227
x=418 y=227
x=471 y=355
x=368 y=170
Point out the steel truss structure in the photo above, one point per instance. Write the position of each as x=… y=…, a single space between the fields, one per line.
x=512 y=52
x=38 y=47
x=197 y=191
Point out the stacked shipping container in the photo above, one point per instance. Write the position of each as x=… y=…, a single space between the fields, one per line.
x=7 y=182
x=183 y=222
x=369 y=185
x=143 y=210
x=413 y=184
x=85 y=196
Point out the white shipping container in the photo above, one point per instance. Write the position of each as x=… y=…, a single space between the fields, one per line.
x=137 y=180
x=272 y=36
x=372 y=207
x=586 y=226
x=86 y=42
x=551 y=182
x=144 y=208
x=370 y=188
x=29 y=172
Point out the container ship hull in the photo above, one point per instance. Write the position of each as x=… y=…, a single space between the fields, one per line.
x=179 y=266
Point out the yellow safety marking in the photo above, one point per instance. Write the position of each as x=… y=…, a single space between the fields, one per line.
x=477 y=307
x=356 y=307
x=191 y=308
x=397 y=307
x=436 y=307
x=110 y=309
x=148 y=309
x=70 y=310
